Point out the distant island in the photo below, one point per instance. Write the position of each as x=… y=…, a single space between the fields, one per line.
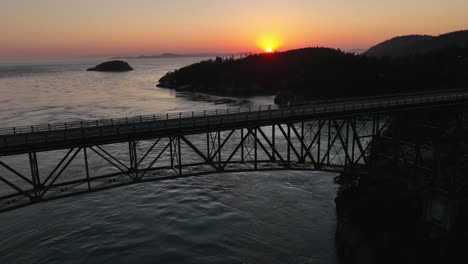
x=176 y=55
x=112 y=66
x=320 y=73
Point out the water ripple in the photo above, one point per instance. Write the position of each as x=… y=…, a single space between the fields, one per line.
x=260 y=220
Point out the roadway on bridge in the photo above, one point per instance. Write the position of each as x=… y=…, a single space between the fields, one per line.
x=87 y=133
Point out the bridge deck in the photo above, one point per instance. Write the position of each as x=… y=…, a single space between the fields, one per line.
x=22 y=140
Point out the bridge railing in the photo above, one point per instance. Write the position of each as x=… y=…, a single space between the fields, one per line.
x=130 y=120
x=305 y=108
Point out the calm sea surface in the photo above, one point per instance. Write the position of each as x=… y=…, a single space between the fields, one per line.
x=274 y=217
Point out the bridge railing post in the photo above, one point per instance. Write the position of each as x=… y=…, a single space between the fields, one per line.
x=193 y=120
x=65 y=131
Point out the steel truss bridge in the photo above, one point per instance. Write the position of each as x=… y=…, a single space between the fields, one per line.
x=45 y=162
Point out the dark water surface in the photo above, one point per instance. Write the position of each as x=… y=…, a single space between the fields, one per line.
x=277 y=217
x=281 y=217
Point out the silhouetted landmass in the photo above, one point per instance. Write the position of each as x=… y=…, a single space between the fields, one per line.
x=175 y=55
x=320 y=73
x=417 y=44
x=112 y=66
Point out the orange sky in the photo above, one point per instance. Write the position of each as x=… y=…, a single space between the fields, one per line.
x=54 y=28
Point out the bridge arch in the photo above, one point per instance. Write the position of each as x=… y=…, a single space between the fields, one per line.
x=331 y=145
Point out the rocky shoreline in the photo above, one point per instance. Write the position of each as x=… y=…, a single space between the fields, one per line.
x=377 y=222
x=391 y=214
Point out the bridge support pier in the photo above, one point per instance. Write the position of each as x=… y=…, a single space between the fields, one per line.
x=255 y=149
x=242 y=145
x=179 y=156
x=88 y=181
x=132 y=149
x=37 y=186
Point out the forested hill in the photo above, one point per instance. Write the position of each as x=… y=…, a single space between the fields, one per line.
x=311 y=73
x=255 y=74
x=418 y=44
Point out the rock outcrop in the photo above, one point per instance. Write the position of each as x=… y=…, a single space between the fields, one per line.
x=402 y=212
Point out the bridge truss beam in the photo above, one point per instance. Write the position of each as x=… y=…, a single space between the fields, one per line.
x=331 y=145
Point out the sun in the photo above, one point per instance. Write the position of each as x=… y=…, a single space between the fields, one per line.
x=269 y=43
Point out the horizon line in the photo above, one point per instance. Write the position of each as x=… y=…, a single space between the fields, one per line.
x=136 y=55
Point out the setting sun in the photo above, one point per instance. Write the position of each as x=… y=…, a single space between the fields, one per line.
x=269 y=43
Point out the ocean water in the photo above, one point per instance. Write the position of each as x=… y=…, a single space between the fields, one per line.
x=274 y=217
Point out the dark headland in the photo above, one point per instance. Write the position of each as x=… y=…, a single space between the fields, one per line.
x=112 y=66
x=320 y=73
x=418 y=44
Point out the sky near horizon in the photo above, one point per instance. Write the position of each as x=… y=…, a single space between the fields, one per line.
x=67 y=28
